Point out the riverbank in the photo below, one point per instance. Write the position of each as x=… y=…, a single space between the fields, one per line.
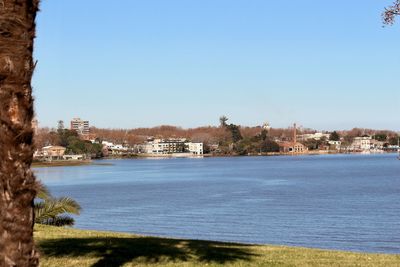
x=66 y=163
x=71 y=247
x=60 y=163
x=267 y=154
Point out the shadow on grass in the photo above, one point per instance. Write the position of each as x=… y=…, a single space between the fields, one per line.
x=117 y=251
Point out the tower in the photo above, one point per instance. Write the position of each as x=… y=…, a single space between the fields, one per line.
x=266 y=126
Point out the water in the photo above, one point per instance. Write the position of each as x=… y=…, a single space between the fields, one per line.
x=345 y=202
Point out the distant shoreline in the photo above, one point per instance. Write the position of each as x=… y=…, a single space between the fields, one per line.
x=60 y=163
x=66 y=163
x=265 y=154
x=72 y=163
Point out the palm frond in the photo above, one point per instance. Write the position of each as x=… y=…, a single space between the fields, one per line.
x=60 y=221
x=53 y=211
x=43 y=192
x=68 y=205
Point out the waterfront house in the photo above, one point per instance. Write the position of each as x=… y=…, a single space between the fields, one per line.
x=336 y=145
x=361 y=143
x=292 y=147
x=110 y=148
x=195 y=148
x=50 y=153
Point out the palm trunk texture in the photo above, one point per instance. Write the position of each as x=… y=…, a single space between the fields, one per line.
x=17 y=182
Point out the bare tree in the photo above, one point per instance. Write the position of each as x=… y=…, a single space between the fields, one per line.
x=17 y=182
x=391 y=12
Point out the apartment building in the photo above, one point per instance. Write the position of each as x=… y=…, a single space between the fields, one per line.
x=171 y=146
x=80 y=126
x=195 y=148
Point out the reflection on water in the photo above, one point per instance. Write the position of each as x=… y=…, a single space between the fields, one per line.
x=348 y=202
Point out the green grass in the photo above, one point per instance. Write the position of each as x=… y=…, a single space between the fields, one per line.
x=61 y=247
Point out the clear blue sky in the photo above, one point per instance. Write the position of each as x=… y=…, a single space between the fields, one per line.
x=130 y=63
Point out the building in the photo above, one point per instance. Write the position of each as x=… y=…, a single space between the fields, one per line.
x=74 y=157
x=35 y=126
x=315 y=136
x=80 y=126
x=294 y=146
x=335 y=144
x=171 y=146
x=50 y=153
x=361 y=143
x=110 y=148
x=195 y=148
x=366 y=144
x=164 y=146
x=54 y=151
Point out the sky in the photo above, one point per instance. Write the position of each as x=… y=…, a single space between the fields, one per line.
x=327 y=65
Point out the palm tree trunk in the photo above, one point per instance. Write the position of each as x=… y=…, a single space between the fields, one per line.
x=17 y=182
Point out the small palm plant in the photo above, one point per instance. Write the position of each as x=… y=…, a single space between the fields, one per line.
x=54 y=211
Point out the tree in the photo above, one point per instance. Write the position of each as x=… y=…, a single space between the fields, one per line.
x=263 y=135
x=222 y=121
x=235 y=132
x=394 y=140
x=60 y=125
x=269 y=146
x=380 y=137
x=17 y=182
x=313 y=144
x=334 y=136
x=391 y=12
x=64 y=135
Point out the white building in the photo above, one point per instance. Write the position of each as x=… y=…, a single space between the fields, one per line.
x=336 y=144
x=377 y=145
x=171 y=146
x=80 y=126
x=315 y=136
x=164 y=146
x=361 y=143
x=195 y=148
x=114 y=148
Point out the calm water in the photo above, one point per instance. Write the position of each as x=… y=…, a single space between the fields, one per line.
x=346 y=202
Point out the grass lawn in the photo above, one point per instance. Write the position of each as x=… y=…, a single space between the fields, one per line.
x=70 y=247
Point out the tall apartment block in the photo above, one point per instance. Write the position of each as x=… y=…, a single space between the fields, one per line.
x=80 y=126
x=35 y=125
